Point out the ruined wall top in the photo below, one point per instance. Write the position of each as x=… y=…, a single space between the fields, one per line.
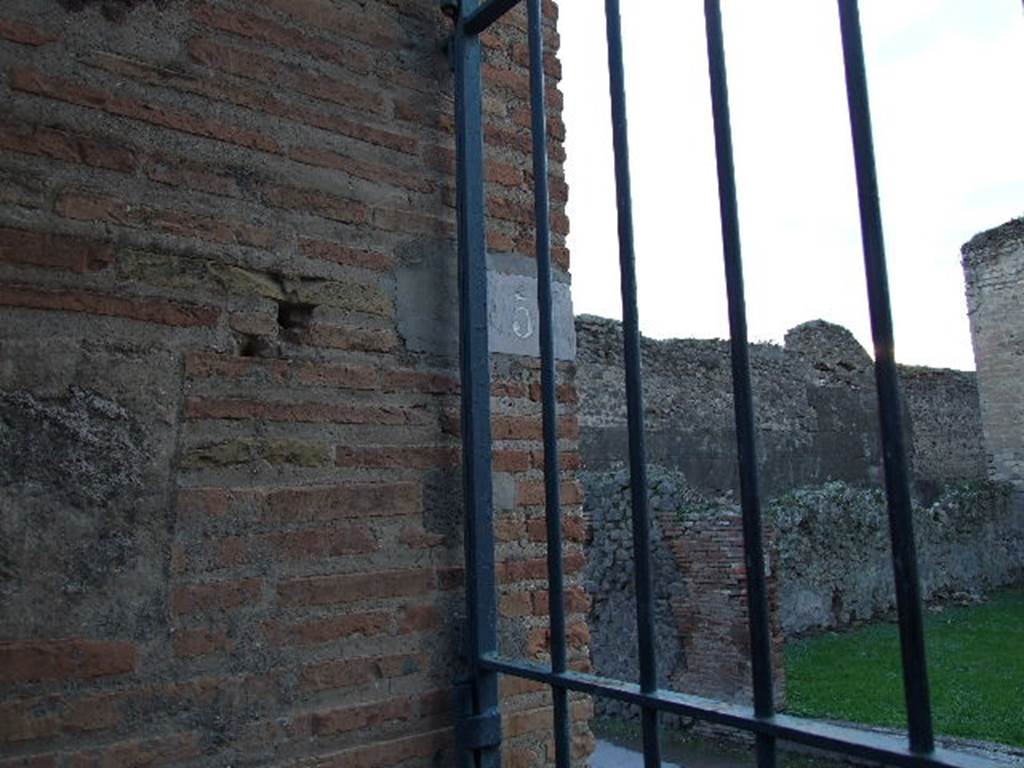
x=986 y=244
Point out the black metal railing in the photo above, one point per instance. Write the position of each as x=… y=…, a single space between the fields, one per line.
x=478 y=730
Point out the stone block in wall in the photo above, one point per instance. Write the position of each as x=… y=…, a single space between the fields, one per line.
x=428 y=311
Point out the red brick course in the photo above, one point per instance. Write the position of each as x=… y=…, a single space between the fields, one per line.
x=25 y=34
x=75 y=659
x=154 y=113
x=147 y=311
x=53 y=251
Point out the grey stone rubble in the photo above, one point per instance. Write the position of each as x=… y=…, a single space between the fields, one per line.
x=609 y=579
x=834 y=554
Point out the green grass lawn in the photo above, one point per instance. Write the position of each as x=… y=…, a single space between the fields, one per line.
x=975 y=664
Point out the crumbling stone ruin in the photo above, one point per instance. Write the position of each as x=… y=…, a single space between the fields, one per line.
x=815 y=406
x=699 y=588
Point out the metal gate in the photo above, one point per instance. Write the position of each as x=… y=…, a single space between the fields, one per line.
x=478 y=729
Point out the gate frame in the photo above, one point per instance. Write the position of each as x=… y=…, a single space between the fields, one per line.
x=478 y=729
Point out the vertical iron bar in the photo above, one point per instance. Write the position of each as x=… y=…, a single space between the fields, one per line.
x=475 y=371
x=552 y=509
x=634 y=392
x=897 y=487
x=757 y=597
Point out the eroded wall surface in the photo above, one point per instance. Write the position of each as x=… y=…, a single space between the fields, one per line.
x=230 y=515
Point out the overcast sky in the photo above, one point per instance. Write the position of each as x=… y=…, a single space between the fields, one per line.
x=946 y=79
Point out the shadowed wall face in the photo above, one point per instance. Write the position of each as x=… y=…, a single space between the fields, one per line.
x=230 y=521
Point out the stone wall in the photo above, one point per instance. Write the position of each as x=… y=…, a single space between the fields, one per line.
x=229 y=461
x=993 y=264
x=828 y=562
x=835 y=562
x=815 y=406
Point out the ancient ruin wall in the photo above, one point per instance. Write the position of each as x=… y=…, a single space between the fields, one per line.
x=229 y=484
x=815 y=406
x=829 y=566
x=993 y=264
x=830 y=563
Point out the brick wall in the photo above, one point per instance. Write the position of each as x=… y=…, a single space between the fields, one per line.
x=713 y=620
x=702 y=634
x=230 y=488
x=993 y=265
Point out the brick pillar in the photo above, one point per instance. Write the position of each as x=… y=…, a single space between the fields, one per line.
x=712 y=614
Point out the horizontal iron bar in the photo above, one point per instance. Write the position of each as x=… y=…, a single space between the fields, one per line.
x=881 y=747
x=488 y=13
